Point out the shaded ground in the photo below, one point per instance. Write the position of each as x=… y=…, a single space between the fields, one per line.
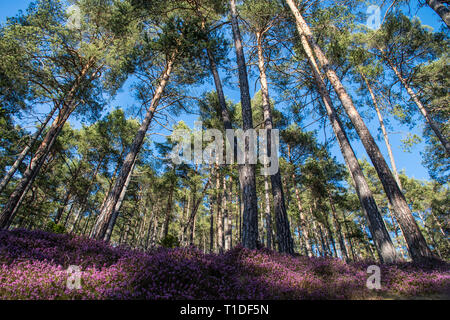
x=33 y=265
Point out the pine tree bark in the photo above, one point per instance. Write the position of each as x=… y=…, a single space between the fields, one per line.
x=25 y=150
x=383 y=129
x=419 y=250
x=268 y=213
x=338 y=228
x=230 y=214
x=424 y=110
x=247 y=173
x=116 y=211
x=114 y=195
x=286 y=244
x=226 y=119
x=211 y=225
x=67 y=196
x=225 y=216
x=68 y=106
x=168 y=217
x=219 y=207
x=302 y=219
x=384 y=245
x=441 y=8
x=192 y=217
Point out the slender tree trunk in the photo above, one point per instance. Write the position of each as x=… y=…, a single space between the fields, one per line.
x=230 y=214
x=86 y=195
x=211 y=226
x=441 y=229
x=61 y=209
x=226 y=218
x=238 y=214
x=25 y=151
x=429 y=233
x=241 y=211
x=185 y=219
x=149 y=229
x=330 y=237
x=193 y=215
x=424 y=110
x=219 y=216
x=153 y=238
x=114 y=195
x=247 y=173
x=16 y=198
x=77 y=220
x=119 y=205
x=43 y=150
x=397 y=236
x=268 y=213
x=24 y=190
x=68 y=195
x=86 y=225
x=286 y=244
x=168 y=211
x=419 y=249
x=383 y=129
x=349 y=237
x=337 y=226
x=69 y=214
x=384 y=245
x=441 y=8
x=303 y=224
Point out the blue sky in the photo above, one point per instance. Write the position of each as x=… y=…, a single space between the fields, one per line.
x=409 y=162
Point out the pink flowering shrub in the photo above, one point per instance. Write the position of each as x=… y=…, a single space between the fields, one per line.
x=33 y=265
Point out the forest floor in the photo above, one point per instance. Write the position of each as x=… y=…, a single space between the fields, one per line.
x=34 y=265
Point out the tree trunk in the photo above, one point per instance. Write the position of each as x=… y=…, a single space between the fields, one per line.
x=286 y=244
x=238 y=214
x=25 y=151
x=384 y=245
x=119 y=205
x=268 y=213
x=149 y=228
x=383 y=129
x=419 y=249
x=441 y=9
x=211 y=226
x=349 y=240
x=184 y=218
x=230 y=214
x=68 y=195
x=168 y=212
x=226 y=218
x=337 y=226
x=61 y=209
x=434 y=126
x=441 y=229
x=86 y=195
x=219 y=216
x=24 y=190
x=302 y=219
x=193 y=215
x=68 y=106
x=114 y=195
x=33 y=169
x=247 y=173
